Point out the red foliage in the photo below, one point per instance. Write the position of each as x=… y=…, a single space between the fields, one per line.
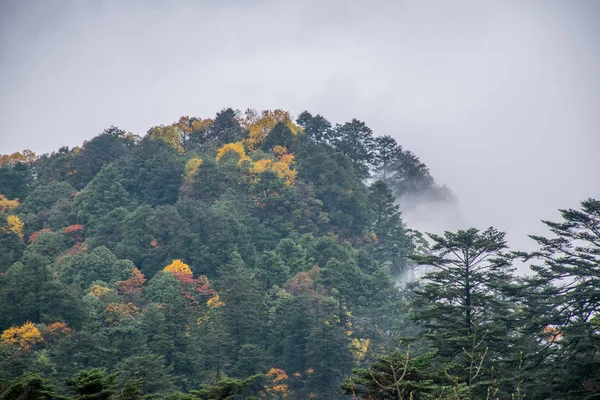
x=56 y=331
x=35 y=235
x=194 y=289
x=75 y=231
x=304 y=282
x=132 y=288
x=74 y=228
x=200 y=285
x=77 y=248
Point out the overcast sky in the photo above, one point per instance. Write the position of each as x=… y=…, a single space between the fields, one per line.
x=500 y=98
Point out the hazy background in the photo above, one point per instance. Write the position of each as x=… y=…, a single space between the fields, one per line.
x=500 y=98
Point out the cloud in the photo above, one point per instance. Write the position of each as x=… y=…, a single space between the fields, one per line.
x=499 y=98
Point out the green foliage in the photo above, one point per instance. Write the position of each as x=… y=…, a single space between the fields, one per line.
x=93 y=384
x=300 y=273
x=30 y=387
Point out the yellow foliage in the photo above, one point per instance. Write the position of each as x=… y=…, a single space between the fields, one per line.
x=25 y=336
x=215 y=302
x=98 y=290
x=261 y=166
x=117 y=311
x=287 y=158
x=276 y=386
x=26 y=157
x=360 y=348
x=260 y=125
x=171 y=134
x=178 y=266
x=237 y=147
x=280 y=150
x=7 y=205
x=201 y=124
x=191 y=168
x=281 y=168
x=15 y=225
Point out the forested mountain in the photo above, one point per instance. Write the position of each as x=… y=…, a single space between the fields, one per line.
x=254 y=255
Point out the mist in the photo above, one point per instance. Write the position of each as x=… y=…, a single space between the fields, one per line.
x=499 y=98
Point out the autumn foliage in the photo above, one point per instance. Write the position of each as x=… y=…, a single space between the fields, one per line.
x=25 y=336
x=276 y=387
x=33 y=237
x=56 y=331
x=7 y=205
x=178 y=267
x=237 y=147
x=260 y=124
x=15 y=225
x=133 y=286
x=27 y=157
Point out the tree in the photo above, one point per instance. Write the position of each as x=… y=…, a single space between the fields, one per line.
x=355 y=140
x=316 y=128
x=386 y=152
x=93 y=384
x=392 y=244
x=398 y=375
x=569 y=276
x=462 y=306
x=239 y=291
x=226 y=128
x=30 y=387
x=280 y=135
x=229 y=389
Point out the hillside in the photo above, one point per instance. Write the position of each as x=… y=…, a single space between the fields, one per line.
x=258 y=254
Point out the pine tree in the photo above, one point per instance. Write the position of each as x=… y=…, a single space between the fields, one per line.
x=566 y=310
x=392 y=244
x=462 y=306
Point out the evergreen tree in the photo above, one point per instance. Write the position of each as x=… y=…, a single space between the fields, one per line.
x=566 y=307
x=392 y=244
x=355 y=140
x=462 y=307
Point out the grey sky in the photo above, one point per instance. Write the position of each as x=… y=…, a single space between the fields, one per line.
x=500 y=98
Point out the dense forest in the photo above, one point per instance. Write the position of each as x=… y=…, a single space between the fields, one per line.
x=258 y=255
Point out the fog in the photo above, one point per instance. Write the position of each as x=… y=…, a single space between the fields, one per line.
x=500 y=99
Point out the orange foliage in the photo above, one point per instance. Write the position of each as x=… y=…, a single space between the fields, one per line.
x=56 y=331
x=25 y=336
x=133 y=286
x=554 y=334
x=73 y=228
x=33 y=237
x=7 y=205
x=178 y=266
x=154 y=243
x=276 y=386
